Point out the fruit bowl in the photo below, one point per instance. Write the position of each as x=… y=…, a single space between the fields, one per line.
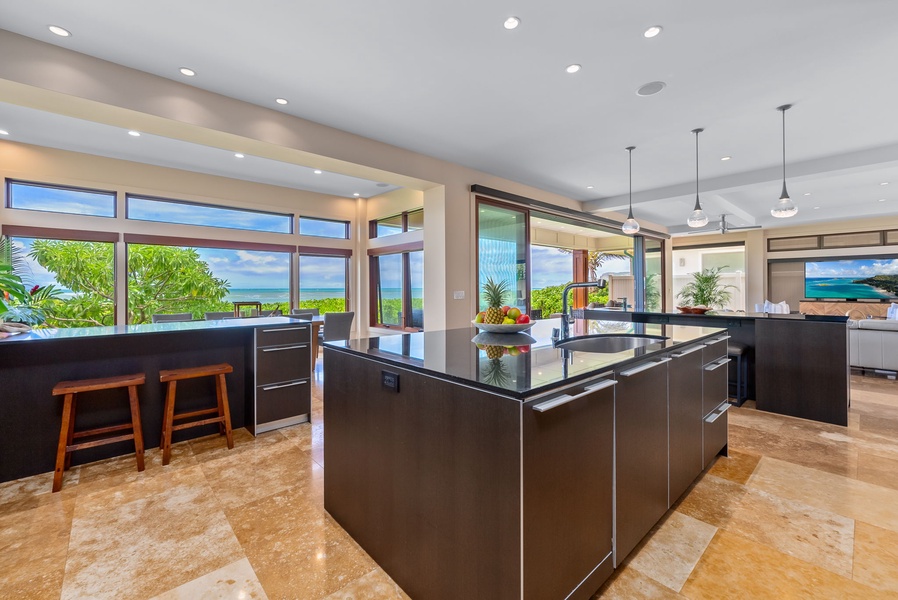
x=499 y=328
x=506 y=339
x=693 y=310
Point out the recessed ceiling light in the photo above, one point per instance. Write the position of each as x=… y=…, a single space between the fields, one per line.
x=383 y=185
x=884 y=183
x=882 y=199
x=589 y=187
x=652 y=31
x=187 y=72
x=651 y=88
x=726 y=158
x=134 y=133
x=511 y=22
x=572 y=68
x=238 y=155
x=807 y=193
x=317 y=171
x=3 y=132
x=816 y=208
x=280 y=100
x=59 y=30
x=356 y=194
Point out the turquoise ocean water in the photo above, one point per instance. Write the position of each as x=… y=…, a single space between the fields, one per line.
x=839 y=287
x=266 y=295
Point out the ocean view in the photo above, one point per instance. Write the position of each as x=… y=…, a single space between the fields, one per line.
x=839 y=287
x=269 y=295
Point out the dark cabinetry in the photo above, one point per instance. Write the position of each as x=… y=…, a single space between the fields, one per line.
x=281 y=370
x=567 y=467
x=685 y=401
x=641 y=450
x=714 y=398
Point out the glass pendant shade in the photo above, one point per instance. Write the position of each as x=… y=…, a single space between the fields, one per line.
x=630 y=226
x=698 y=218
x=784 y=207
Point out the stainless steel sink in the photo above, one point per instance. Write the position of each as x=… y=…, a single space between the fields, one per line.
x=608 y=343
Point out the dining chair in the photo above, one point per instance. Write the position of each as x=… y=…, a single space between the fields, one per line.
x=337 y=326
x=217 y=316
x=171 y=317
x=302 y=311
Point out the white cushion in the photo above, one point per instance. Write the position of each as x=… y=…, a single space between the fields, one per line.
x=893 y=311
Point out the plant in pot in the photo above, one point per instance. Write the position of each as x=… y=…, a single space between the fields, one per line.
x=705 y=290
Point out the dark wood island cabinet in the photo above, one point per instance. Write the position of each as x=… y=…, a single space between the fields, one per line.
x=462 y=483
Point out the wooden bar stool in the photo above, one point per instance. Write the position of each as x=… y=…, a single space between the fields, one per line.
x=67 y=433
x=223 y=411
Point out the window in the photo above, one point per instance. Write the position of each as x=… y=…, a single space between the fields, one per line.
x=322 y=282
x=397 y=287
x=180 y=279
x=60 y=199
x=728 y=259
x=401 y=223
x=189 y=213
x=324 y=228
x=71 y=283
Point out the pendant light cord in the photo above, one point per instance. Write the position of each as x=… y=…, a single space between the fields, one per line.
x=696 y=163
x=784 y=144
x=630 y=159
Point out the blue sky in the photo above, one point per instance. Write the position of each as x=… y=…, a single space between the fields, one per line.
x=32 y=197
x=861 y=268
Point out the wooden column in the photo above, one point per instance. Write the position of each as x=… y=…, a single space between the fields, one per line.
x=581 y=273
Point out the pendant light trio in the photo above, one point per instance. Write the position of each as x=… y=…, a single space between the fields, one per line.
x=783 y=208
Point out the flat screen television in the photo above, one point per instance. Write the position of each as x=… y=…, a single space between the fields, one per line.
x=856 y=279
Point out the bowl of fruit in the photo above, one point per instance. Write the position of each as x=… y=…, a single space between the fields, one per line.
x=498 y=318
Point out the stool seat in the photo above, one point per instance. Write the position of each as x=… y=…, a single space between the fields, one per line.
x=222 y=411
x=102 y=383
x=736 y=348
x=191 y=372
x=67 y=433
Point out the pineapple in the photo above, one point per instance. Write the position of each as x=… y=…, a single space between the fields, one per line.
x=495 y=372
x=494 y=295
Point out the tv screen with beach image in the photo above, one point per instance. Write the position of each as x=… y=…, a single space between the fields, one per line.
x=865 y=278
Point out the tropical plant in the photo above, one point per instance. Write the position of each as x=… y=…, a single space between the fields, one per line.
x=652 y=293
x=15 y=299
x=597 y=259
x=548 y=299
x=705 y=289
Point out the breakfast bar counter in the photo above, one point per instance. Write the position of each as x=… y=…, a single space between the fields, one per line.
x=32 y=363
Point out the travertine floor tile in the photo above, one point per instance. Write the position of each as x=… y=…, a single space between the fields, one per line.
x=32 y=492
x=146 y=537
x=673 y=549
x=630 y=584
x=878 y=470
x=737 y=467
x=309 y=437
x=854 y=499
x=755 y=419
x=212 y=447
x=820 y=455
x=876 y=557
x=376 y=585
x=33 y=549
x=236 y=581
x=736 y=568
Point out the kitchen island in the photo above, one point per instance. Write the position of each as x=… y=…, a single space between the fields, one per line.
x=509 y=468
x=267 y=388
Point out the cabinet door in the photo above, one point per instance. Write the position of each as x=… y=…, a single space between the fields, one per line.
x=715 y=426
x=568 y=444
x=277 y=364
x=641 y=450
x=685 y=393
x=714 y=385
x=280 y=401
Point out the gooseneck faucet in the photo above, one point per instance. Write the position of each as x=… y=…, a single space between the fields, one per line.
x=565 y=319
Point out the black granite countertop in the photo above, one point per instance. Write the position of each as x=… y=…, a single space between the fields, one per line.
x=596 y=313
x=518 y=365
x=49 y=334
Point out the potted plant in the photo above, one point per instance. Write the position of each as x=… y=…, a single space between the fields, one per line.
x=705 y=289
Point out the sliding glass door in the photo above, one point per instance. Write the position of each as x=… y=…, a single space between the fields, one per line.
x=502 y=246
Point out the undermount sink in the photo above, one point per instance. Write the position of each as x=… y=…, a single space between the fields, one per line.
x=608 y=343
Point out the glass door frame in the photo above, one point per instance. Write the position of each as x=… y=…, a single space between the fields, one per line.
x=480 y=201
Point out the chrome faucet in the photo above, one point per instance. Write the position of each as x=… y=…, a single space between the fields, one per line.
x=565 y=319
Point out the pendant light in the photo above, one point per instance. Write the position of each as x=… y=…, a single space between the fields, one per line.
x=698 y=218
x=784 y=207
x=630 y=226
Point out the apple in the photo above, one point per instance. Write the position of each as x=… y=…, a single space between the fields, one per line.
x=523 y=319
x=513 y=313
x=507 y=321
x=525 y=348
x=505 y=309
x=480 y=317
x=514 y=351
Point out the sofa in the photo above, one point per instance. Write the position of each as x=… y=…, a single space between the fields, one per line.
x=873 y=344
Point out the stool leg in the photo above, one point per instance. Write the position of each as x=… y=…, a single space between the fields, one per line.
x=63 y=439
x=224 y=408
x=167 y=421
x=71 y=436
x=135 y=424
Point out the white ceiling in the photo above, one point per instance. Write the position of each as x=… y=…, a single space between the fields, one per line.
x=445 y=79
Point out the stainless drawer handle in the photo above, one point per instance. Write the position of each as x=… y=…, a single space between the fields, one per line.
x=285 y=329
x=682 y=353
x=716 y=415
x=720 y=339
x=565 y=398
x=283 y=385
x=719 y=363
x=643 y=367
x=285 y=348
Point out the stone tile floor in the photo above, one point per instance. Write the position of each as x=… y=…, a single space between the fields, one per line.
x=798 y=510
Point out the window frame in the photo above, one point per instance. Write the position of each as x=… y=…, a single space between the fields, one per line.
x=10 y=182
x=374 y=282
x=128 y=196
x=346 y=224
x=372 y=224
x=319 y=251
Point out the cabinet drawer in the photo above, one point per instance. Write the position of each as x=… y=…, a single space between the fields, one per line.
x=715 y=348
x=283 y=363
x=714 y=384
x=279 y=336
x=282 y=401
x=715 y=432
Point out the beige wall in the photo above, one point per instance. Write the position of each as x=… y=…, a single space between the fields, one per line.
x=50 y=78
